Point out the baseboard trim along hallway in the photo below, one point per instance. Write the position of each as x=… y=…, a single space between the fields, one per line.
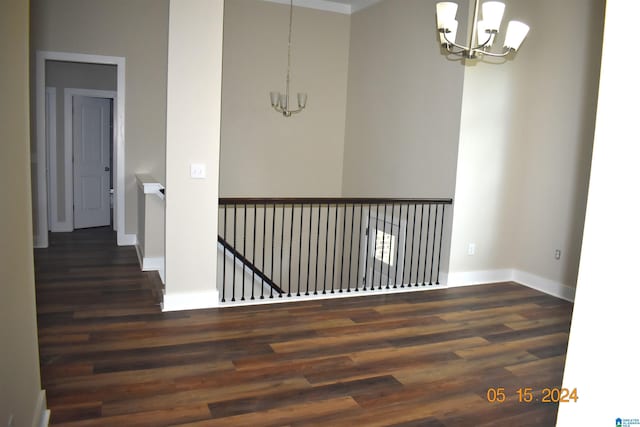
x=550 y=287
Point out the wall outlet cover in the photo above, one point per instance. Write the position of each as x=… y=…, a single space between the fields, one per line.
x=198 y=171
x=472 y=249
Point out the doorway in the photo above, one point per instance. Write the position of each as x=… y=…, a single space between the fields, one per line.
x=117 y=153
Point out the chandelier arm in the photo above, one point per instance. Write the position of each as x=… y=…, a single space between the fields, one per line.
x=496 y=55
x=483 y=45
x=450 y=43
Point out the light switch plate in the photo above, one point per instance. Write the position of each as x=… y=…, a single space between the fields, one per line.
x=198 y=171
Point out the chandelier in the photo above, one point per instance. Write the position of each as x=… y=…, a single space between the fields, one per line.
x=483 y=32
x=280 y=101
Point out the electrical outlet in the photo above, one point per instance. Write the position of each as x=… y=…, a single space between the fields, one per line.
x=10 y=422
x=198 y=171
x=472 y=249
x=557 y=254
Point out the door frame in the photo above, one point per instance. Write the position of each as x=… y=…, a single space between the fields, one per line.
x=69 y=93
x=41 y=238
x=51 y=124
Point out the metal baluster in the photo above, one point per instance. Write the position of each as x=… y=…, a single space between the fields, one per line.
x=309 y=249
x=315 y=284
x=281 y=254
x=335 y=241
x=393 y=211
x=344 y=229
x=413 y=243
x=235 y=250
x=351 y=247
x=224 y=254
x=264 y=242
x=395 y=278
x=326 y=253
x=441 y=233
x=290 y=250
x=367 y=254
x=420 y=247
x=359 y=242
x=433 y=248
x=384 y=233
x=424 y=282
x=253 y=259
x=244 y=246
x=300 y=251
x=273 y=241
x=404 y=254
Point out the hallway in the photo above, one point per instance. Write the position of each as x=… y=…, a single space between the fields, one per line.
x=109 y=356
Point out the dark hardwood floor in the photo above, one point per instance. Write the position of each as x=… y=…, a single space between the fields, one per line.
x=110 y=357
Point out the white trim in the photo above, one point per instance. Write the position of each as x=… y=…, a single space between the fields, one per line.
x=357 y=5
x=190 y=300
x=69 y=93
x=118 y=143
x=559 y=290
x=52 y=163
x=149 y=263
x=550 y=287
x=331 y=6
x=150 y=185
x=41 y=414
x=127 y=239
x=153 y=263
x=469 y=278
x=328 y=6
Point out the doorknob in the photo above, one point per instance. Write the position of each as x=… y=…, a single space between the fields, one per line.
x=107 y=169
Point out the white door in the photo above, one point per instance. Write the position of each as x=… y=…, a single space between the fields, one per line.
x=91 y=161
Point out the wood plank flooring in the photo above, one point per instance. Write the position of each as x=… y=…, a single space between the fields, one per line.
x=110 y=357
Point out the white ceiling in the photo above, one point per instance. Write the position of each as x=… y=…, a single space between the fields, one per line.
x=340 y=6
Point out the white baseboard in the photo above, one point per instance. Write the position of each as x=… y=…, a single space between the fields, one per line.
x=41 y=414
x=550 y=287
x=190 y=300
x=139 y=254
x=152 y=264
x=567 y=293
x=127 y=239
x=61 y=227
x=39 y=243
x=480 y=277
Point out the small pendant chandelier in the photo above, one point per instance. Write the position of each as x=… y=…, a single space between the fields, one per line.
x=280 y=101
x=483 y=32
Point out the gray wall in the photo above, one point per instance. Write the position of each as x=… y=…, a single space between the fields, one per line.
x=138 y=31
x=61 y=75
x=525 y=145
x=403 y=105
x=19 y=370
x=262 y=153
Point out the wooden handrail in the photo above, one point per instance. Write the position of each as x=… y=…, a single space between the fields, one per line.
x=328 y=200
